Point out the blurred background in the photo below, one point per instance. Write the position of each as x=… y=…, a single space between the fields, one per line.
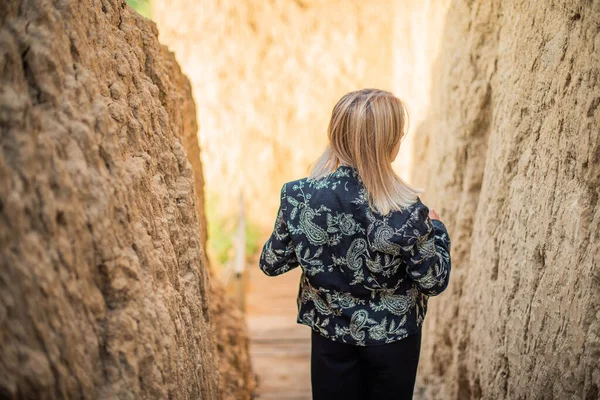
x=266 y=75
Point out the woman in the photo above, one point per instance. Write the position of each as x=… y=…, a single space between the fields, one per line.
x=371 y=254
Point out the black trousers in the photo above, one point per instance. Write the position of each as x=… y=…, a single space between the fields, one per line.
x=347 y=372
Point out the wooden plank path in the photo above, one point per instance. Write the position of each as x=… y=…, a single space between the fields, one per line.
x=280 y=347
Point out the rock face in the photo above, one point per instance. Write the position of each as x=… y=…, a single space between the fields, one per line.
x=103 y=286
x=237 y=379
x=510 y=155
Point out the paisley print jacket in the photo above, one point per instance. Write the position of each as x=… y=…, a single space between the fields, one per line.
x=366 y=277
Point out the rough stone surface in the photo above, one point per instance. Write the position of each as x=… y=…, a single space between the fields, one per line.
x=238 y=381
x=510 y=155
x=103 y=290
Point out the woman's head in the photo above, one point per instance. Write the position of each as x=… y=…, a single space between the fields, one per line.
x=365 y=132
x=367 y=125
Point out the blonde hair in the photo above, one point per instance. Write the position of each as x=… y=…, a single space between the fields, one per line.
x=366 y=127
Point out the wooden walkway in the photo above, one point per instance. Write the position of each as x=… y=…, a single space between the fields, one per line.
x=280 y=347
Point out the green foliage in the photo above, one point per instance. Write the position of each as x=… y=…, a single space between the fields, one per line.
x=144 y=7
x=252 y=237
x=222 y=230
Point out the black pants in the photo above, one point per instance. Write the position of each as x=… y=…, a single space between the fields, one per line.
x=347 y=372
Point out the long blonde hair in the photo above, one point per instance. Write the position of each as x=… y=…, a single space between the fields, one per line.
x=366 y=127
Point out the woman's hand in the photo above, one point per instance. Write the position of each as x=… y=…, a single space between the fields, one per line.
x=433 y=214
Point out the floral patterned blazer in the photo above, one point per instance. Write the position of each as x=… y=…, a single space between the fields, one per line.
x=366 y=278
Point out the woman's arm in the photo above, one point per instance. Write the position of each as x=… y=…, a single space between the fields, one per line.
x=428 y=260
x=278 y=255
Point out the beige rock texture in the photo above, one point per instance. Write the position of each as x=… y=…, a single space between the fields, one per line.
x=417 y=36
x=266 y=75
x=103 y=280
x=237 y=378
x=510 y=156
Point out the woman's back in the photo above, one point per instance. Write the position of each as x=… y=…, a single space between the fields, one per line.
x=355 y=286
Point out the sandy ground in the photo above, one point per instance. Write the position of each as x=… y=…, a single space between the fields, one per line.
x=280 y=347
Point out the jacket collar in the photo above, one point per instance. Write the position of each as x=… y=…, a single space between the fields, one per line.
x=346 y=171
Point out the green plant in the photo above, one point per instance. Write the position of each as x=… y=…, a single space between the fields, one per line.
x=144 y=7
x=252 y=238
x=222 y=230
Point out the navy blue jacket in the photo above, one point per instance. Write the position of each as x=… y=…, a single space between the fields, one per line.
x=366 y=278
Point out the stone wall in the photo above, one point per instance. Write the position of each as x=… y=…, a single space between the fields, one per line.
x=103 y=289
x=510 y=155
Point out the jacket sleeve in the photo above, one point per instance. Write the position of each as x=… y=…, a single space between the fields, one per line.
x=278 y=254
x=428 y=256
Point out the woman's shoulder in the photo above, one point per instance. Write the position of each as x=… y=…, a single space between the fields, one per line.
x=420 y=206
x=413 y=216
x=327 y=182
x=416 y=208
x=295 y=185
